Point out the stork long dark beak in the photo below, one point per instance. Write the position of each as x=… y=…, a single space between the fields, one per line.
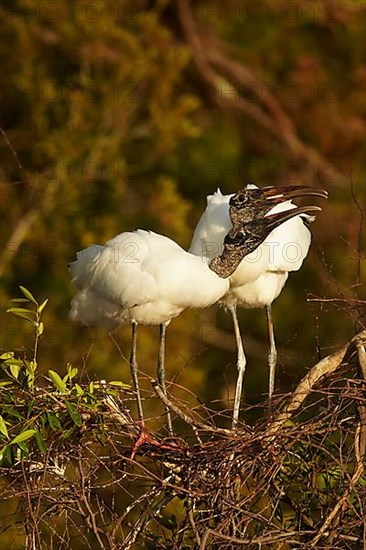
x=241 y=241
x=275 y=220
x=281 y=193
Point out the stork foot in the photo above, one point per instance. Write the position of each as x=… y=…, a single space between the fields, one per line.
x=146 y=438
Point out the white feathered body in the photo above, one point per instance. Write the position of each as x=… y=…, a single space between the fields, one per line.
x=143 y=277
x=262 y=274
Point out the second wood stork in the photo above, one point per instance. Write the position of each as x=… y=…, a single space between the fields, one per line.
x=260 y=277
x=141 y=277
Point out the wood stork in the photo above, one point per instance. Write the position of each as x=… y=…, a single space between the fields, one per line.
x=260 y=277
x=141 y=277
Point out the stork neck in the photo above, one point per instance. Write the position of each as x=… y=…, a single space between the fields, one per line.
x=225 y=264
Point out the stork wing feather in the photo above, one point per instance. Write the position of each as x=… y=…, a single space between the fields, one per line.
x=116 y=272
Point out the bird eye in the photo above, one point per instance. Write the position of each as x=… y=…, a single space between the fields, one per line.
x=236 y=239
x=239 y=236
x=237 y=199
x=229 y=240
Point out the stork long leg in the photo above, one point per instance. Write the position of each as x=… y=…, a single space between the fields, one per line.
x=161 y=374
x=272 y=353
x=241 y=364
x=134 y=373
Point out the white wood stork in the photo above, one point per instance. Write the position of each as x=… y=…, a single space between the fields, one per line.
x=260 y=277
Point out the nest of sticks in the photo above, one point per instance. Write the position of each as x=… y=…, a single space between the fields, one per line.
x=295 y=481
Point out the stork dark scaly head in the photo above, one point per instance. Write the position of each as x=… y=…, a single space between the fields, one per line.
x=238 y=243
x=253 y=202
x=247 y=204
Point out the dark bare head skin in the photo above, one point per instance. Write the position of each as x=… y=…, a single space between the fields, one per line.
x=250 y=204
x=241 y=241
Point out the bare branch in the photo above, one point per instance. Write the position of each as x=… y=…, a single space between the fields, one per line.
x=325 y=367
x=187 y=419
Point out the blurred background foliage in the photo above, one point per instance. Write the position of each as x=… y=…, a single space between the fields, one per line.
x=126 y=114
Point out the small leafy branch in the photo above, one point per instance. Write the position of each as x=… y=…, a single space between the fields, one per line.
x=24 y=370
x=32 y=409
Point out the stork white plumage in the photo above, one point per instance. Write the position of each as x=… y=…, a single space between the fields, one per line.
x=261 y=275
x=133 y=280
x=141 y=277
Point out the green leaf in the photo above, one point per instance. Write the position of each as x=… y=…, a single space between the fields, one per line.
x=18 y=454
x=28 y=295
x=15 y=370
x=71 y=371
x=6 y=455
x=74 y=413
x=79 y=389
x=7 y=355
x=22 y=313
x=12 y=361
x=20 y=300
x=27 y=434
x=168 y=522
x=91 y=406
x=53 y=421
x=57 y=381
x=22 y=310
x=68 y=433
x=30 y=407
x=42 y=306
x=11 y=411
x=120 y=384
x=23 y=446
x=320 y=481
x=5 y=383
x=44 y=419
x=31 y=366
x=40 y=442
x=3 y=428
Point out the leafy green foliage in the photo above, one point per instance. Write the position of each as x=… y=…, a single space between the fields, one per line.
x=32 y=410
x=22 y=369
